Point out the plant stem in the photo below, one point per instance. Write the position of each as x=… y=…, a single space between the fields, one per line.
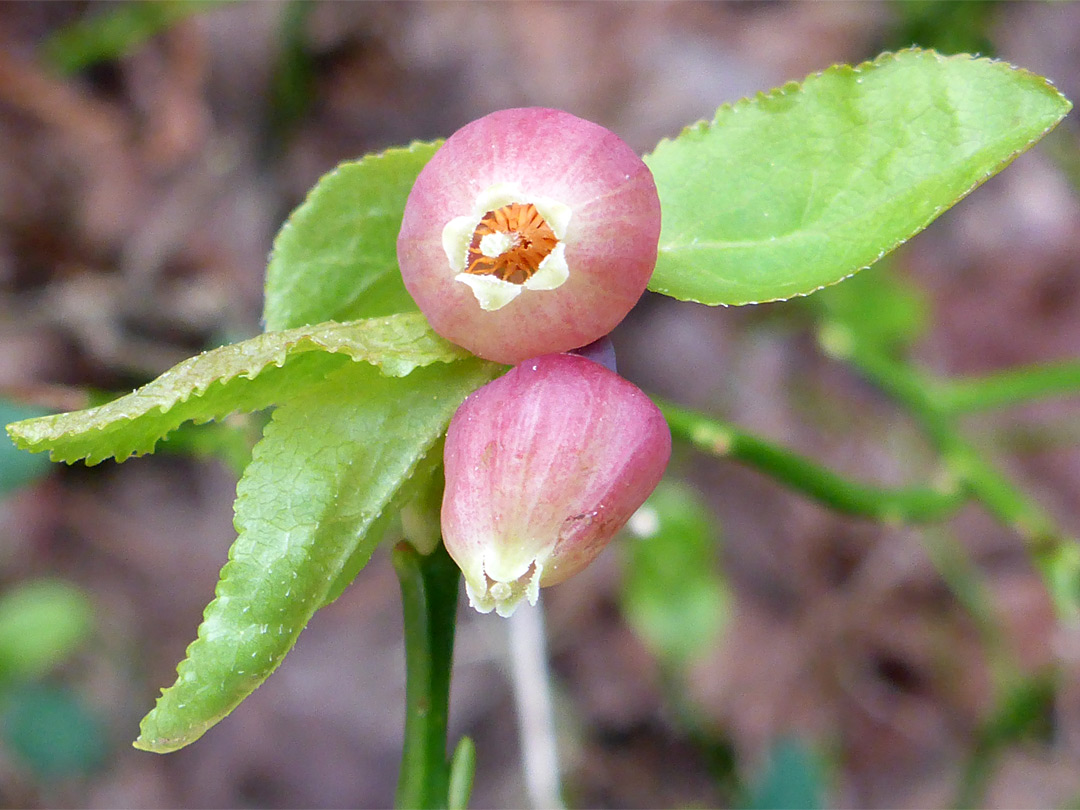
x=718 y=438
x=1056 y=556
x=429 y=590
x=1023 y=712
x=532 y=697
x=1012 y=387
x=1022 y=702
x=920 y=397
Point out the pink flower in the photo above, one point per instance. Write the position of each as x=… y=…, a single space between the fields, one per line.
x=530 y=231
x=543 y=466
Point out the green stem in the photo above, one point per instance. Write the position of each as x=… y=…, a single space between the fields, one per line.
x=920 y=396
x=1013 y=387
x=907 y=505
x=429 y=591
x=1057 y=556
x=969 y=585
x=1023 y=711
x=1019 y=698
x=936 y=406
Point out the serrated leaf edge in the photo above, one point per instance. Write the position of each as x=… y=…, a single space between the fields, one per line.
x=170 y=744
x=795 y=85
x=790 y=87
x=302 y=211
x=299 y=340
x=374 y=157
x=167 y=745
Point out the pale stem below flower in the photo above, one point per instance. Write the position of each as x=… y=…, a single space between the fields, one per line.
x=532 y=698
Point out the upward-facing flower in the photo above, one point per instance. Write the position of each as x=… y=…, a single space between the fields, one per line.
x=543 y=466
x=530 y=231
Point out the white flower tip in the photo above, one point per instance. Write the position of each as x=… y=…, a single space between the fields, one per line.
x=491 y=292
x=552 y=272
x=504 y=597
x=555 y=214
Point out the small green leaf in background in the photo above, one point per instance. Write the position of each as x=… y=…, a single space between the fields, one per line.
x=247 y=376
x=880 y=309
x=798 y=188
x=462 y=772
x=672 y=594
x=793 y=778
x=53 y=732
x=331 y=461
x=336 y=256
x=228 y=443
x=16 y=467
x=41 y=623
x=292 y=88
x=954 y=26
x=115 y=29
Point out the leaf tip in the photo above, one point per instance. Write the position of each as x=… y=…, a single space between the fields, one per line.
x=14 y=433
x=143 y=744
x=25 y=437
x=161 y=731
x=159 y=745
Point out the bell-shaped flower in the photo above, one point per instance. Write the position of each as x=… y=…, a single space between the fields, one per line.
x=543 y=466
x=530 y=231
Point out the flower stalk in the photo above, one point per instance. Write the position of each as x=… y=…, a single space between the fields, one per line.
x=1056 y=555
x=725 y=440
x=429 y=592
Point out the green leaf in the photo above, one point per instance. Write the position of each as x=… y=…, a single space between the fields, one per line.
x=800 y=187
x=41 y=623
x=247 y=376
x=427 y=473
x=952 y=27
x=114 y=30
x=336 y=256
x=881 y=309
x=54 y=732
x=462 y=772
x=672 y=595
x=793 y=777
x=332 y=461
x=230 y=442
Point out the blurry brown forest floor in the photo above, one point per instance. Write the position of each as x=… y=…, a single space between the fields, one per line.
x=138 y=201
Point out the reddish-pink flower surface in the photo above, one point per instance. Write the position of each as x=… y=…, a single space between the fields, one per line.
x=543 y=466
x=530 y=231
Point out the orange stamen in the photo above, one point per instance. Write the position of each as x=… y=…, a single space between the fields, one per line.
x=532 y=240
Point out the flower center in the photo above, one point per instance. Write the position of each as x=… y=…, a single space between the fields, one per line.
x=510 y=243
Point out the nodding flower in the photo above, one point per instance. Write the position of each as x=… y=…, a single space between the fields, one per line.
x=530 y=231
x=543 y=466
